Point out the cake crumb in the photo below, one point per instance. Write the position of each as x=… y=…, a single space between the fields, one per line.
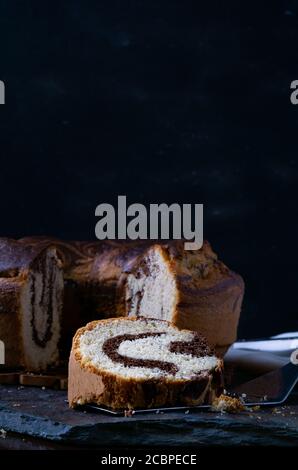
x=226 y=404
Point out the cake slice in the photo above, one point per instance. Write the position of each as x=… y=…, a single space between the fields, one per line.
x=128 y=363
x=31 y=295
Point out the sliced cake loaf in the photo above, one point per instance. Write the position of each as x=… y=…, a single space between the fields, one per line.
x=31 y=294
x=127 y=363
x=192 y=289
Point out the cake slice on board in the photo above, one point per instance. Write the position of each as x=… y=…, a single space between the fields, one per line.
x=127 y=363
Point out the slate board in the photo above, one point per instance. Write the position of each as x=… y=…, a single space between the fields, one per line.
x=45 y=414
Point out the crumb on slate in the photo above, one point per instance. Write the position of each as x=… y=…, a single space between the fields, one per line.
x=226 y=404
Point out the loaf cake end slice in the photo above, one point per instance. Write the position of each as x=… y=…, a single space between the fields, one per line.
x=128 y=363
x=192 y=289
x=31 y=297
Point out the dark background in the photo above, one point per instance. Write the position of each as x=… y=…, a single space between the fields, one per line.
x=163 y=101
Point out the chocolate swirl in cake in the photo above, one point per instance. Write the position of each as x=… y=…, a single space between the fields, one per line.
x=111 y=346
x=197 y=347
x=44 y=305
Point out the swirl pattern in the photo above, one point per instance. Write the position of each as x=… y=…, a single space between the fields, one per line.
x=146 y=348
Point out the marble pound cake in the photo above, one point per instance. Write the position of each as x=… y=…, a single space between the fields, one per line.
x=192 y=289
x=128 y=363
x=49 y=288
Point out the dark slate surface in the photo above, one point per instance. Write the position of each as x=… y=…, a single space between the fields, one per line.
x=45 y=414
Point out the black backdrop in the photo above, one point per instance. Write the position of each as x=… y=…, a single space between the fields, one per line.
x=163 y=101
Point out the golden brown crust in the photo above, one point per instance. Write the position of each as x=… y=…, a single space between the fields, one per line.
x=89 y=384
x=214 y=311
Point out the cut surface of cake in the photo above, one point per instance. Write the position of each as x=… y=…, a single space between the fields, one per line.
x=127 y=363
x=191 y=289
x=31 y=296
